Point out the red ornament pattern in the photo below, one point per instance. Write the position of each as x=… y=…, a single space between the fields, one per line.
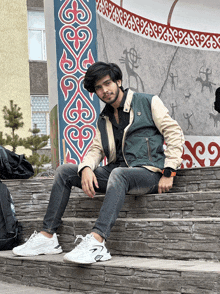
x=78 y=112
x=200 y=154
x=157 y=31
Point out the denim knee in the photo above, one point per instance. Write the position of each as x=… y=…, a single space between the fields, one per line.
x=61 y=169
x=118 y=173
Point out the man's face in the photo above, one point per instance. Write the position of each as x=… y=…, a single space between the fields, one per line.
x=107 y=90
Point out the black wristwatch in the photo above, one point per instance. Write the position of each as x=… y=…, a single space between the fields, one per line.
x=169 y=172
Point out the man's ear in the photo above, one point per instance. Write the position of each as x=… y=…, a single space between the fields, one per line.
x=119 y=83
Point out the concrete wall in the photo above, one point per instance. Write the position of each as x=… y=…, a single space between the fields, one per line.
x=180 y=66
x=172 y=72
x=38 y=78
x=14 y=73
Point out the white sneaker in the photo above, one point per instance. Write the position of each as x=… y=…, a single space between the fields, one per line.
x=38 y=244
x=88 y=251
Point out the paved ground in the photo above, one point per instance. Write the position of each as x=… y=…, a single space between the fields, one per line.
x=6 y=288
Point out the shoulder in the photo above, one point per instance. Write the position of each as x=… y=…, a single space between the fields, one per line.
x=143 y=98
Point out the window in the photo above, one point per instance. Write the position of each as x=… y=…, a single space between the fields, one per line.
x=40 y=114
x=36 y=35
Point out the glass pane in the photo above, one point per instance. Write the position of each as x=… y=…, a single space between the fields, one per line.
x=44 y=46
x=40 y=113
x=36 y=20
x=40 y=120
x=40 y=103
x=35 y=45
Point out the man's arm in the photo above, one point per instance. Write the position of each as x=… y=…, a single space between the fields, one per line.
x=173 y=136
x=166 y=181
x=172 y=132
x=88 y=180
x=94 y=155
x=165 y=184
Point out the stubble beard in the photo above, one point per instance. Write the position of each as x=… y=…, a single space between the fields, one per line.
x=116 y=97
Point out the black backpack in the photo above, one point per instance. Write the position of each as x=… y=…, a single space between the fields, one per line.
x=14 y=166
x=8 y=221
x=217 y=100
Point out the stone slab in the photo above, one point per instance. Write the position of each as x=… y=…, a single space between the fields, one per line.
x=184 y=239
x=119 y=275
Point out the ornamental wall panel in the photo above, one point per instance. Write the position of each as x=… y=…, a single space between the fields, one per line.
x=75 y=26
x=180 y=66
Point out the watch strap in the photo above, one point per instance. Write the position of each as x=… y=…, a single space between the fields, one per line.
x=172 y=173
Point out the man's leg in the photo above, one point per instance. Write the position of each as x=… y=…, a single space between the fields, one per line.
x=46 y=241
x=123 y=180
x=65 y=177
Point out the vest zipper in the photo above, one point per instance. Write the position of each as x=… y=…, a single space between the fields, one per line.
x=149 y=149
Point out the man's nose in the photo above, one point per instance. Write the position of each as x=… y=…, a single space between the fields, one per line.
x=105 y=89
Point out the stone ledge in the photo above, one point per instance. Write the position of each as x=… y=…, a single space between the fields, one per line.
x=166 y=205
x=120 y=275
x=191 y=179
x=160 y=238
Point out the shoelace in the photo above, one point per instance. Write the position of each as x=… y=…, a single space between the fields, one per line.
x=83 y=243
x=32 y=236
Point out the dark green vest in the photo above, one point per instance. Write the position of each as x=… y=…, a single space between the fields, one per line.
x=144 y=142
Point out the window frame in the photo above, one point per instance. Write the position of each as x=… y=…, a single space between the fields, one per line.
x=43 y=37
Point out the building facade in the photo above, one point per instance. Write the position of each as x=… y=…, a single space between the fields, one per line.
x=23 y=75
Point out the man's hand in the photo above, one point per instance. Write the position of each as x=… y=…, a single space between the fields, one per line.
x=88 y=180
x=165 y=184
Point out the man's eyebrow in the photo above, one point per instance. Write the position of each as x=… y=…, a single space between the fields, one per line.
x=103 y=83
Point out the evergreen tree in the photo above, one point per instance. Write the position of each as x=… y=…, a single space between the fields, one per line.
x=2 y=140
x=34 y=143
x=13 y=119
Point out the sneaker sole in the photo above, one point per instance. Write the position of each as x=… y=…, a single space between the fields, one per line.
x=57 y=251
x=68 y=260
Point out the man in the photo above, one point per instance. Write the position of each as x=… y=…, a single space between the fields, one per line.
x=130 y=132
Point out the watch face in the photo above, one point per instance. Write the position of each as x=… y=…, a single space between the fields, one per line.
x=167 y=173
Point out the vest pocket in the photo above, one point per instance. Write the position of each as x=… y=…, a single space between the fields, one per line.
x=149 y=149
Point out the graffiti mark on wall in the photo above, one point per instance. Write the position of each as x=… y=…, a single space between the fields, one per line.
x=187 y=117
x=174 y=80
x=187 y=96
x=130 y=59
x=173 y=106
x=204 y=79
x=216 y=118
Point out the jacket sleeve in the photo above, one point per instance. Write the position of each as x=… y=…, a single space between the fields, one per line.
x=171 y=131
x=94 y=155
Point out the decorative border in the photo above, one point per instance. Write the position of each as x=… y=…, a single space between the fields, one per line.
x=157 y=31
x=201 y=151
x=75 y=23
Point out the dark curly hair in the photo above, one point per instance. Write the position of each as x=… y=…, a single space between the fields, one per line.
x=217 y=92
x=97 y=71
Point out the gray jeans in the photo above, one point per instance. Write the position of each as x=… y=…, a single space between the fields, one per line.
x=113 y=180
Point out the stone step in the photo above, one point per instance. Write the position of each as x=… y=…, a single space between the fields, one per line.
x=197 y=191
x=121 y=275
x=183 y=239
x=166 y=205
x=187 y=180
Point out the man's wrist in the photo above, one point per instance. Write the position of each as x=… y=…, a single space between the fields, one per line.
x=169 y=172
x=80 y=172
